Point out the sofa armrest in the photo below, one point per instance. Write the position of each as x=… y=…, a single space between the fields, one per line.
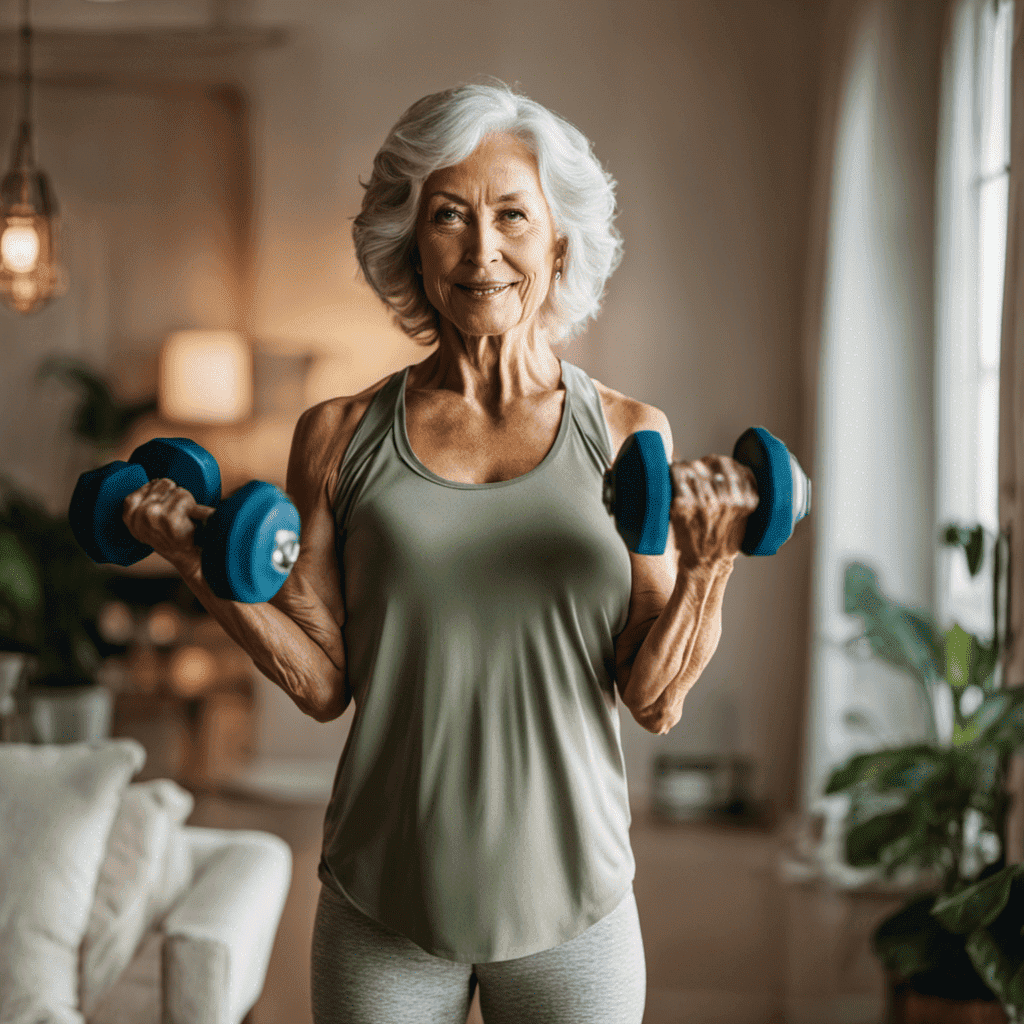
x=218 y=937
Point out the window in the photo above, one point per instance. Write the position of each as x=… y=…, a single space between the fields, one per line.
x=972 y=215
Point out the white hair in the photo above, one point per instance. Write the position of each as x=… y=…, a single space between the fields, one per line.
x=442 y=130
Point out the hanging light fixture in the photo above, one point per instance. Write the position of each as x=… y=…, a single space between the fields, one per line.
x=30 y=270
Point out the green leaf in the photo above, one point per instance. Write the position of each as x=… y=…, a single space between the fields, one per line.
x=975 y=549
x=100 y=418
x=867 y=841
x=875 y=769
x=904 y=637
x=958 y=657
x=971 y=540
x=1000 y=968
x=913 y=771
x=984 y=658
x=911 y=940
x=914 y=848
x=19 y=575
x=987 y=714
x=979 y=904
x=1006 y=733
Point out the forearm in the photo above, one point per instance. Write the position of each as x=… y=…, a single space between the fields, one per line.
x=299 y=649
x=677 y=647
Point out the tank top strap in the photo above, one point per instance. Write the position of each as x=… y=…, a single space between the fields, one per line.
x=374 y=426
x=588 y=413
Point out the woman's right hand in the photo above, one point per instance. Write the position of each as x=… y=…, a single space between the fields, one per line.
x=164 y=515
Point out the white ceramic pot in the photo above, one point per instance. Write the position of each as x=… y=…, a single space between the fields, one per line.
x=14 y=668
x=70 y=714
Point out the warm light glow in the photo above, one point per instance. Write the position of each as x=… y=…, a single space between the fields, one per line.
x=24 y=289
x=164 y=624
x=192 y=670
x=19 y=246
x=205 y=377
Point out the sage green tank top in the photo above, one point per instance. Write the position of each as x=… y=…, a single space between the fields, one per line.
x=480 y=805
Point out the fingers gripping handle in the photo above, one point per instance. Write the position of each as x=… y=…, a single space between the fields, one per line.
x=638 y=492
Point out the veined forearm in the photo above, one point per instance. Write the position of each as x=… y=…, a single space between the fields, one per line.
x=677 y=647
x=299 y=649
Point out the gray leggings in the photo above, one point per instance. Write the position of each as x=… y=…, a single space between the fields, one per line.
x=364 y=973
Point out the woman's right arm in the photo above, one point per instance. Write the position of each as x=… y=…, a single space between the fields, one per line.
x=295 y=639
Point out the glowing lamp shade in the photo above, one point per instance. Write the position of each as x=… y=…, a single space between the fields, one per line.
x=205 y=377
x=31 y=274
x=19 y=246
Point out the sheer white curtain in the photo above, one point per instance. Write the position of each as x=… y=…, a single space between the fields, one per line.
x=870 y=358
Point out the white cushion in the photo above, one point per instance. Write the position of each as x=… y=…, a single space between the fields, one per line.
x=140 y=876
x=57 y=806
x=175 y=878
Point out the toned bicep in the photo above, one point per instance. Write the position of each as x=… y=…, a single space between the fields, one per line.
x=312 y=595
x=654 y=576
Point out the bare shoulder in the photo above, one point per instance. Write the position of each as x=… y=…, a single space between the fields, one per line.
x=322 y=437
x=627 y=415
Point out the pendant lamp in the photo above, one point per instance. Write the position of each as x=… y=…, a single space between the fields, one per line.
x=30 y=270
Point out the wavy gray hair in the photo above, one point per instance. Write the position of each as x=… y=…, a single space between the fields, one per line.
x=442 y=130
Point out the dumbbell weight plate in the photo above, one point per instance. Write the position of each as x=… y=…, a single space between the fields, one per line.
x=95 y=513
x=188 y=464
x=770 y=525
x=638 y=492
x=249 y=543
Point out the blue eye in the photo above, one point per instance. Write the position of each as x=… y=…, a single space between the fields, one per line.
x=441 y=215
x=515 y=214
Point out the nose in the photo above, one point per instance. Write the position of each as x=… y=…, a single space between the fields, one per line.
x=483 y=245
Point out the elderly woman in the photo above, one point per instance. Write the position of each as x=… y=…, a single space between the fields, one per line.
x=461 y=581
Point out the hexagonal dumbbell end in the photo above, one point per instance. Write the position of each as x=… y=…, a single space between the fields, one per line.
x=95 y=513
x=188 y=464
x=783 y=488
x=250 y=543
x=638 y=492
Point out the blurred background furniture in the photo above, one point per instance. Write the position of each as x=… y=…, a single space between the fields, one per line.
x=112 y=908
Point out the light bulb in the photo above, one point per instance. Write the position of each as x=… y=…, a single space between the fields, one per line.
x=19 y=247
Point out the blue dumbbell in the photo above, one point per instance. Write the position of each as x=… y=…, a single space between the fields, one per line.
x=249 y=544
x=638 y=492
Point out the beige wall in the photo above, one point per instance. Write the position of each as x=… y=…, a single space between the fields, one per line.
x=705 y=114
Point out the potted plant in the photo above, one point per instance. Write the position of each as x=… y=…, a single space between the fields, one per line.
x=51 y=592
x=937 y=809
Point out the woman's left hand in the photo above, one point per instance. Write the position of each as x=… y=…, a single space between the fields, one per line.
x=711 y=500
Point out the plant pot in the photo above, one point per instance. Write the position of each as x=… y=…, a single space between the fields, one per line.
x=909 y=1007
x=70 y=714
x=14 y=668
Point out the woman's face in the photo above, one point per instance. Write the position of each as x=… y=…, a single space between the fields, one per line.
x=487 y=245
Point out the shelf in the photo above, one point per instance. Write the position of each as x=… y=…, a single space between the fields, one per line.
x=203 y=56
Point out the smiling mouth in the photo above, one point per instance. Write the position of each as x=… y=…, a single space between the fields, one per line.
x=483 y=293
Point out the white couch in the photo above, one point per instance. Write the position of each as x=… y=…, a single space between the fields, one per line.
x=112 y=910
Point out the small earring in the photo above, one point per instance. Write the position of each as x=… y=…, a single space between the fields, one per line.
x=558 y=275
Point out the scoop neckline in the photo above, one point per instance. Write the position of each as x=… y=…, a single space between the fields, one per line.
x=412 y=459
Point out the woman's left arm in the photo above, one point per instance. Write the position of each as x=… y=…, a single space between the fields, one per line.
x=675 y=608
